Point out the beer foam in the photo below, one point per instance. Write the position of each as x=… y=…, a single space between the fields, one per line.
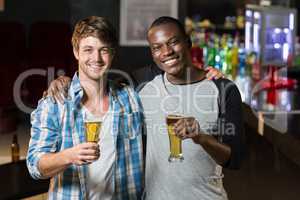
x=175 y=117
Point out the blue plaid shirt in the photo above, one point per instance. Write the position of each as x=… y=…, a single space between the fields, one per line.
x=56 y=127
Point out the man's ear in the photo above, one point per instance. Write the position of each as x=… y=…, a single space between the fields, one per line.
x=75 y=52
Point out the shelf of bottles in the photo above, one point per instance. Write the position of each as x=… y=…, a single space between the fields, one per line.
x=224 y=51
x=252 y=58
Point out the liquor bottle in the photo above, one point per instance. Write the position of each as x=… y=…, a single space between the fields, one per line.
x=223 y=49
x=205 y=48
x=228 y=57
x=196 y=51
x=15 y=149
x=211 y=52
x=235 y=57
x=203 y=45
x=218 y=61
x=242 y=60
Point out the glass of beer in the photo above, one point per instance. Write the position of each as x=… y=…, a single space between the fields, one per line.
x=175 y=142
x=92 y=130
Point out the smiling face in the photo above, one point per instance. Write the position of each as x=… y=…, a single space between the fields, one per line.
x=94 y=58
x=170 y=49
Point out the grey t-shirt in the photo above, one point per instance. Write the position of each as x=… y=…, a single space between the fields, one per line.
x=198 y=176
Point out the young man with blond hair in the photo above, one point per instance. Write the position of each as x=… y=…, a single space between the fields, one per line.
x=111 y=168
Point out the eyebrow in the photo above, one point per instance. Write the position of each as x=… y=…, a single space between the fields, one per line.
x=174 y=37
x=87 y=46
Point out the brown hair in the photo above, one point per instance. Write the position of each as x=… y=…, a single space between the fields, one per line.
x=97 y=27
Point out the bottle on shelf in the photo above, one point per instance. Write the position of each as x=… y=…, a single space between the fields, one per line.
x=218 y=61
x=15 y=149
x=242 y=60
x=228 y=57
x=196 y=50
x=211 y=52
x=235 y=57
x=222 y=51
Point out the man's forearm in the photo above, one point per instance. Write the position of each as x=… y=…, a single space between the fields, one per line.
x=218 y=151
x=51 y=164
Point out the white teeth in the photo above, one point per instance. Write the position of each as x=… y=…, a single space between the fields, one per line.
x=95 y=66
x=170 y=62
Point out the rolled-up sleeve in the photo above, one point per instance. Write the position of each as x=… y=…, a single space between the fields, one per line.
x=45 y=134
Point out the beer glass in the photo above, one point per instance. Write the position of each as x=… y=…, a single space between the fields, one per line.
x=92 y=130
x=175 y=142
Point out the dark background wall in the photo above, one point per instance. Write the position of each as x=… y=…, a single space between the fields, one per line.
x=28 y=12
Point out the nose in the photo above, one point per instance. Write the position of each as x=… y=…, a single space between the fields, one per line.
x=167 y=50
x=98 y=57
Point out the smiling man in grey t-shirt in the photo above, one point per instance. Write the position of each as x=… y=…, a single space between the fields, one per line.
x=212 y=136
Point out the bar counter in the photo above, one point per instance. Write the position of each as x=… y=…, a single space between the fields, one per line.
x=16 y=183
x=286 y=143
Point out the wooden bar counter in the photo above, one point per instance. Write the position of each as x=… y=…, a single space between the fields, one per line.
x=287 y=143
x=16 y=183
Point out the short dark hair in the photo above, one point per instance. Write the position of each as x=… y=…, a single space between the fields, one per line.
x=170 y=20
x=94 y=26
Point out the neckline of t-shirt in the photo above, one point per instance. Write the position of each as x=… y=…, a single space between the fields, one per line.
x=165 y=80
x=167 y=83
x=93 y=116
